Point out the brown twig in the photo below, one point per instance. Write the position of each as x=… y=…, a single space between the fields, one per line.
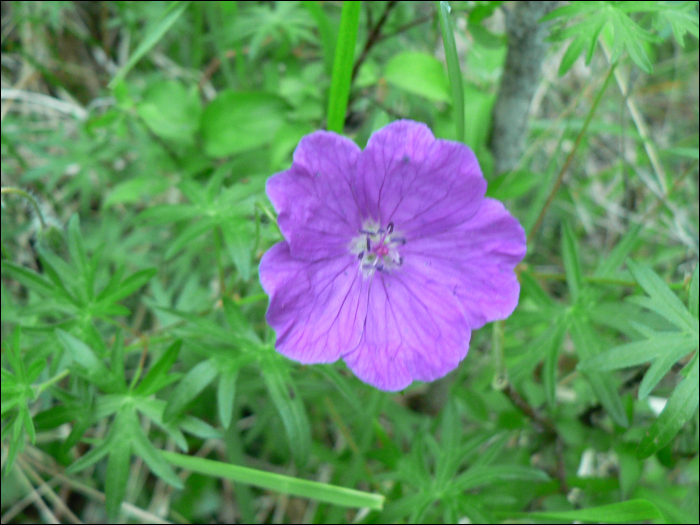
x=373 y=38
x=547 y=426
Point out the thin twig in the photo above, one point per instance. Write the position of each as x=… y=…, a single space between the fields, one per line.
x=567 y=163
x=549 y=429
x=26 y=501
x=128 y=508
x=373 y=38
x=406 y=27
x=41 y=506
x=44 y=488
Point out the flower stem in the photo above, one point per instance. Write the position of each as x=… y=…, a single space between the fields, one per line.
x=500 y=379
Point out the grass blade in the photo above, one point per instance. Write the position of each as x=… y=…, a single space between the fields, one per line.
x=453 y=70
x=342 y=66
x=172 y=13
x=279 y=483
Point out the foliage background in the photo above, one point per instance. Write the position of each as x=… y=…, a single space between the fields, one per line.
x=136 y=141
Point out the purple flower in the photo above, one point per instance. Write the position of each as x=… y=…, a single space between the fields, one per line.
x=392 y=255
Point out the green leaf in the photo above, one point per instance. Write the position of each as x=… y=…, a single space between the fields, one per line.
x=226 y=394
x=572 y=264
x=663 y=300
x=341 y=79
x=239 y=243
x=453 y=68
x=196 y=380
x=29 y=278
x=420 y=74
x=257 y=117
x=546 y=346
x=86 y=363
x=632 y=511
x=171 y=111
x=610 y=264
x=302 y=488
x=633 y=354
x=238 y=322
x=572 y=53
x=134 y=190
x=488 y=474
x=153 y=36
x=289 y=406
x=658 y=369
x=77 y=249
x=693 y=293
x=681 y=406
x=128 y=286
x=326 y=31
x=154 y=459
x=117 y=475
x=95 y=454
x=602 y=384
x=157 y=376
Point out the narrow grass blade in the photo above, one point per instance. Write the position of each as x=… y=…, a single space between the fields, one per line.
x=342 y=66
x=453 y=70
x=172 y=13
x=632 y=511
x=279 y=483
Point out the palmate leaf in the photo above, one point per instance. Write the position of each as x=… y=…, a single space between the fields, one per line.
x=663 y=349
x=613 y=19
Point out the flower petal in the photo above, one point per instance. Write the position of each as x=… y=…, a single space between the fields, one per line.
x=318 y=212
x=474 y=262
x=414 y=330
x=316 y=308
x=421 y=184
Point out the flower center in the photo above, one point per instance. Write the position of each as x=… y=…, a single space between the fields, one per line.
x=377 y=248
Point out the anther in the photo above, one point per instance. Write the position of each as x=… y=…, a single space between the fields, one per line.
x=369 y=246
x=390 y=227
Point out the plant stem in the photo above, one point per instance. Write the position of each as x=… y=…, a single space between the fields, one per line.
x=567 y=163
x=30 y=198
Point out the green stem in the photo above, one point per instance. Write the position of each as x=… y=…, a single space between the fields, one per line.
x=500 y=379
x=567 y=163
x=46 y=384
x=29 y=197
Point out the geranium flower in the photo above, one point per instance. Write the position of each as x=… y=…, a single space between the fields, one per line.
x=391 y=257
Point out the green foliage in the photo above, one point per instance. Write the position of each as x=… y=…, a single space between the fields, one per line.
x=625 y=33
x=138 y=373
x=420 y=74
